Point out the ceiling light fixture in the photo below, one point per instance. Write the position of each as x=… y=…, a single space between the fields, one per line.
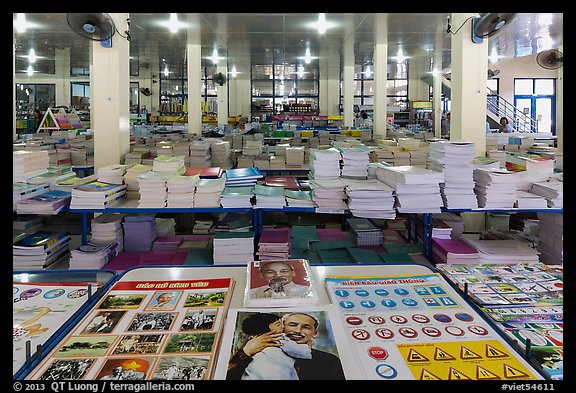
x=307 y=57
x=166 y=72
x=32 y=56
x=234 y=73
x=215 y=58
x=400 y=58
x=368 y=71
x=322 y=24
x=30 y=70
x=174 y=24
x=21 y=24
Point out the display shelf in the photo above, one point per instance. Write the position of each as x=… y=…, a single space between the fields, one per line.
x=63 y=312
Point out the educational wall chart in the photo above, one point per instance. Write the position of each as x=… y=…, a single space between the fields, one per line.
x=39 y=310
x=418 y=327
x=167 y=330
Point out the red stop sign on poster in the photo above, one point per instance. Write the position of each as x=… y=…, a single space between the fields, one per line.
x=378 y=353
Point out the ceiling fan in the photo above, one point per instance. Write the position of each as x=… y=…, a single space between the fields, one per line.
x=145 y=91
x=492 y=73
x=96 y=27
x=489 y=24
x=219 y=78
x=550 y=59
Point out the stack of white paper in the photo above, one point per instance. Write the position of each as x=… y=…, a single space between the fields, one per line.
x=112 y=174
x=329 y=194
x=495 y=188
x=501 y=251
x=417 y=190
x=552 y=190
x=131 y=181
x=26 y=164
x=528 y=200
x=237 y=197
x=454 y=160
x=355 y=162
x=208 y=192
x=200 y=155
x=370 y=199
x=325 y=163
x=152 y=188
x=233 y=247
x=181 y=191
x=106 y=228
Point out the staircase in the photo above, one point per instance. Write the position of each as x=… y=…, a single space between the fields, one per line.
x=496 y=107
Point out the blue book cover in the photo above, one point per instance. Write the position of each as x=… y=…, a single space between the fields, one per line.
x=51 y=196
x=41 y=240
x=243 y=173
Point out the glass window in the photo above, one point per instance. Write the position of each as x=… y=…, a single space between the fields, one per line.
x=262 y=87
x=523 y=86
x=261 y=72
x=397 y=71
x=544 y=86
x=397 y=87
x=134 y=97
x=492 y=84
x=80 y=95
x=307 y=88
x=368 y=88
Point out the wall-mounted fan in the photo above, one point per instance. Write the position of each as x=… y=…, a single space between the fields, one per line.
x=489 y=24
x=550 y=59
x=94 y=26
x=219 y=78
x=146 y=91
x=492 y=73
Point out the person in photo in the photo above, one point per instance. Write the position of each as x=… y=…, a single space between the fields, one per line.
x=164 y=301
x=280 y=277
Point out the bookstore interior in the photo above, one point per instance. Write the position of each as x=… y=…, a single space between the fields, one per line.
x=412 y=235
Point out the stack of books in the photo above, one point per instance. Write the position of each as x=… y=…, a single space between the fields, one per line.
x=294 y=157
x=106 y=228
x=495 y=188
x=92 y=255
x=22 y=190
x=51 y=202
x=233 y=247
x=274 y=244
x=169 y=164
x=152 y=188
x=370 y=198
x=325 y=163
x=269 y=197
x=200 y=155
x=41 y=250
x=27 y=224
x=242 y=176
x=552 y=190
x=214 y=172
x=237 y=197
x=140 y=231
x=417 y=190
x=26 y=164
x=97 y=195
x=286 y=182
x=365 y=232
x=51 y=177
x=131 y=179
x=528 y=200
x=167 y=244
x=329 y=194
x=208 y=192
x=299 y=198
x=182 y=148
x=181 y=190
x=508 y=251
x=134 y=158
x=551 y=236
x=221 y=153
x=113 y=174
x=355 y=162
x=453 y=251
x=454 y=159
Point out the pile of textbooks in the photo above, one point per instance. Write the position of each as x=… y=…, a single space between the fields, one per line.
x=97 y=195
x=41 y=250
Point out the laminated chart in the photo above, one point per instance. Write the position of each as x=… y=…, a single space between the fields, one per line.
x=153 y=330
x=418 y=327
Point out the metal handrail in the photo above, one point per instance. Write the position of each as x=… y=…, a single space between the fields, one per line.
x=500 y=107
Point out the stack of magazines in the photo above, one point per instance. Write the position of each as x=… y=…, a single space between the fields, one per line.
x=51 y=202
x=97 y=195
x=41 y=250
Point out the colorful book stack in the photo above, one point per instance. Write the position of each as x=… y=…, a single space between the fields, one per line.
x=131 y=180
x=274 y=244
x=286 y=182
x=204 y=173
x=41 y=250
x=167 y=244
x=97 y=195
x=22 y=190
x=297 y=198
x=242 y=176
x=208 y=192
x=168 y=164
x=51 y=202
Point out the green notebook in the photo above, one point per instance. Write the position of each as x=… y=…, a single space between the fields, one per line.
x=338 y=256
x=302 y=235
x=331 y=245
x=364 y=257
x=233 y=191
x=260 y=189
x=199 y=256
x=396 y=257
x=407 y=248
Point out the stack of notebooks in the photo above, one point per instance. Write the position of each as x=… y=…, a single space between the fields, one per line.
x=181 y=191
x=552 y=190
x=237 y=197
x=70 y=183
x=131 y=179
x=208 y=192
x=528 y=200
x=501 y=251
x=370 y=198
x=453 y=251
x=454 y=159
x=140 y=231
x=329 y=194
x=92 y=255
x=269 y=197
x=22 y=190
x=51 y=177
x=169 y=164
x=242 y=176
x=274 y=244
x=221 y=153
x=26 y=164
x=27 y=224
x=417 y=190
x=495 y=188
x=365 y=232
x=200 y=155
x=204 y=173
x=167 y=244
x=233 y=248
x=51 y=202
x=355 y=162
x=152 y=189
x=325 y=163
x=97 y=195
x=106 y=228
x=296 y=198
x=41 y=250
x=113 y=174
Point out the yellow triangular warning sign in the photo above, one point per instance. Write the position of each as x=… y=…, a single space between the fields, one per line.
x=415 y=356
x=511 y=372
x=440 y=354
x=466 y=353
x=482 y=373
x=426 y=375
x=454 y=374
x=492 y=352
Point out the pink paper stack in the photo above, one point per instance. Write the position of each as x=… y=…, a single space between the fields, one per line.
x=453 y=251
x=274 y=244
